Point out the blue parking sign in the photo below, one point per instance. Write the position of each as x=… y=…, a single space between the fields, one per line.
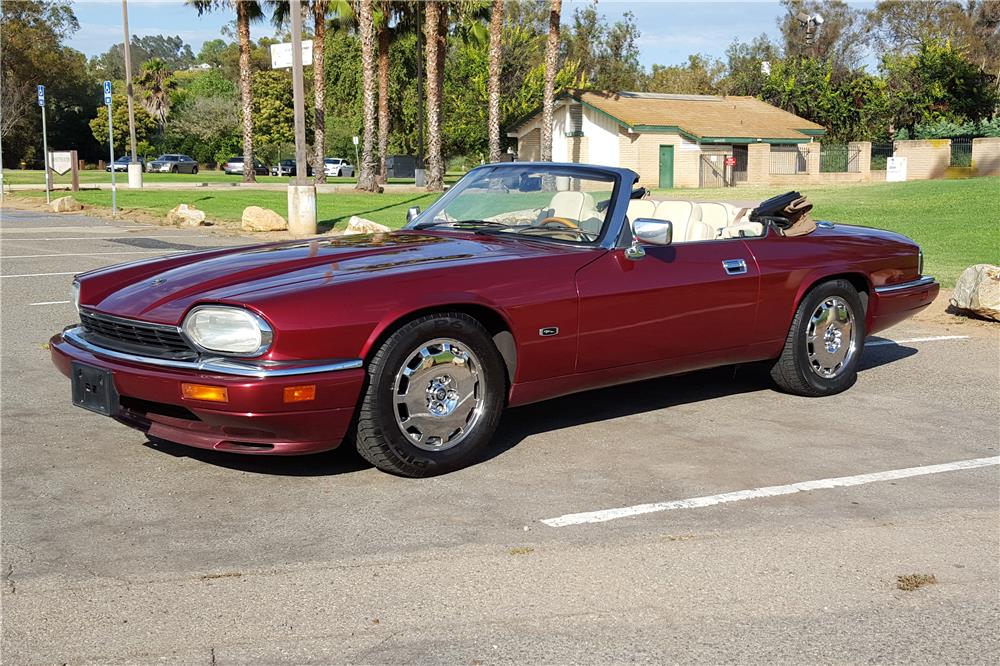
x=107 y=93
x=41 y=95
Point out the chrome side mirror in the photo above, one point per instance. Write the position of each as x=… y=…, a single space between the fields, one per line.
x=650 y=231
x=412 y=213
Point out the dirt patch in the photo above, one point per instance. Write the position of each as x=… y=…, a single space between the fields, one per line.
x=940 y=313
x=521 y=550
x=911 y=582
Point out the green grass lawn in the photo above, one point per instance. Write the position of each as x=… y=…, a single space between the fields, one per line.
x=36 y=177
x=957 y=222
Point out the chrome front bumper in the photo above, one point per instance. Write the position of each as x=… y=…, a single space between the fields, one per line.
x=216 y=365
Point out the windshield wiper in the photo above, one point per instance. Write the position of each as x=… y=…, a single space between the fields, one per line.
x=462 y=224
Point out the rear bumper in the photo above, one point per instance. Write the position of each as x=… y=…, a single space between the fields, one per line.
x=892 y=304
x=255 y=420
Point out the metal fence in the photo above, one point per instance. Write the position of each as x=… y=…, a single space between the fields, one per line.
x=961 y=152
x=881 y=152
x=788 y=160
x=839 y=158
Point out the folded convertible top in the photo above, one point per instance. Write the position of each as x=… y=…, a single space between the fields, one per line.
x=788 y=212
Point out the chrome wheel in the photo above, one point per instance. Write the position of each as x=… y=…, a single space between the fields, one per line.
x=830 y=344
x=438 y=394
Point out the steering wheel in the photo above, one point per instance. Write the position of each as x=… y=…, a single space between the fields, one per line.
x=564 y=221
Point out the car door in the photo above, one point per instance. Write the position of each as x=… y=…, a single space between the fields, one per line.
x=682 y=300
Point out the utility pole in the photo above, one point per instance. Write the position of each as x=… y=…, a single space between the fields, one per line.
x=301 y=196
x=134 y=168
x=111 y=150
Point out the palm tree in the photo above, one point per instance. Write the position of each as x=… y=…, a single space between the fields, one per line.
x=156 y=83
x=385 y=11
x=366 y=29
x=435 y=70
x=493 y=85
x=551 y=68
x=246 y=11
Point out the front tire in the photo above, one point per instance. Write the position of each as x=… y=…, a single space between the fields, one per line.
x=435 y=393
x=824 y=343
x=194 y=170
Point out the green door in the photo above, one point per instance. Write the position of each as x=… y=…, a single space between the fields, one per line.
x=666 y=166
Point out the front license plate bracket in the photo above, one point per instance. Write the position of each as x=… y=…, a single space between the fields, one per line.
x=94 y=389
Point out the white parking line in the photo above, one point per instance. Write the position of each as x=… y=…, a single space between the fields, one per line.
x=767 y=491
x=935 y=338
x=81 y=254
x=39 y=274
x=51 y=303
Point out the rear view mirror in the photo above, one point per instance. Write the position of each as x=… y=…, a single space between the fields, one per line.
x=412 y=213
x=652 y=231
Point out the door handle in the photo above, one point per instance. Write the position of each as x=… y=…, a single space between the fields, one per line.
x=734 y=266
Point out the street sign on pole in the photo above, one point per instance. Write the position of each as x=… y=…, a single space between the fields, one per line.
x=357 y=158
x=111 y=150
x=45 y=143
x=281 y=54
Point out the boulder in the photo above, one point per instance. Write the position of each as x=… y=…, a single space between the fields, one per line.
x=359 y=225
x=978 y=291
x=65 y=205
x=256 y=218
x=184 y=215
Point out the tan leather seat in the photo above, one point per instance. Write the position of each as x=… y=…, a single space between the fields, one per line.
x=744 y=230
x=715 y=215
x=641 y=208
x=574 y=206
x=681 y=214
x=699 y=231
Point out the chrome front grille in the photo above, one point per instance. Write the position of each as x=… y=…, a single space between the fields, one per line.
x=135 y=337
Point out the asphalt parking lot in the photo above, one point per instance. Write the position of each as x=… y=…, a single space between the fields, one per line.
x=119 y=551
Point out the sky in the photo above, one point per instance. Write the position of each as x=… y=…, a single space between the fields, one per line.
x=670 y=31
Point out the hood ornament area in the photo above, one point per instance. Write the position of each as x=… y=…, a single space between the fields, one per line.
x=156 y=282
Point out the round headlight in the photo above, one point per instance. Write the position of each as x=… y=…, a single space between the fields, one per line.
x=228 y=330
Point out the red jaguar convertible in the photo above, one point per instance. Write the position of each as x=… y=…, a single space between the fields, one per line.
x=525 y=281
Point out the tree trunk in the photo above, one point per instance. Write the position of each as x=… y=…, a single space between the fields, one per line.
x=383 y=99
x=435 y=166
x=319 y=91
x=246 y=92
x=366 y=28
x=493 y=86
x=551 y=66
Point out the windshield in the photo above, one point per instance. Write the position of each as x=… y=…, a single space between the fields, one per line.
x=557 y=203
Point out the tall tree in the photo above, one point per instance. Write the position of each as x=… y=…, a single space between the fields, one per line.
x=435 y=70
x=155 y=84
x=383 y=15
x=247 y=11
x=496 y=64
x=366 y=28
x=551 y=69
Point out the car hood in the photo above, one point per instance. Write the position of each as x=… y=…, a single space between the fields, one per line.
x=163 y=290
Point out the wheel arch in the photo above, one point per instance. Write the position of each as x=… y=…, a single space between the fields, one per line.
x=858 y=279
x=491 y=318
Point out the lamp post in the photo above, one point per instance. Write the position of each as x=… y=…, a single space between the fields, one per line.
x=134 y=168
x=301 y=195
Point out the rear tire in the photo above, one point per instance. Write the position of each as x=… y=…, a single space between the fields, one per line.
x=434 y=396
x=824 y=343
x=194 y=170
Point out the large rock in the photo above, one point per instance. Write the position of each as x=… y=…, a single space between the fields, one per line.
x=65 y=205
x=978 y=291
x=359 y=225
x=256 y=218
x=184 y=215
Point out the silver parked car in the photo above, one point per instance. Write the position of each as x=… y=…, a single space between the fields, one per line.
x=337 y=167
x=172 y=164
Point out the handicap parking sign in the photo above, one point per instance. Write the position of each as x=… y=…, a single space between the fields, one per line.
x=41 y=95
x=107 y=93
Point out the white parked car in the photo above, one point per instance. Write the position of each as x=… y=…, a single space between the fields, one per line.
x=337 y=167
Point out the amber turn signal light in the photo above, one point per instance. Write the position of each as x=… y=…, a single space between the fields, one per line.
x=300 y=393
x=204 y=392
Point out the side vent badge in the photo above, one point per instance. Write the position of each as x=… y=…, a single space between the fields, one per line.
x=548 y=331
